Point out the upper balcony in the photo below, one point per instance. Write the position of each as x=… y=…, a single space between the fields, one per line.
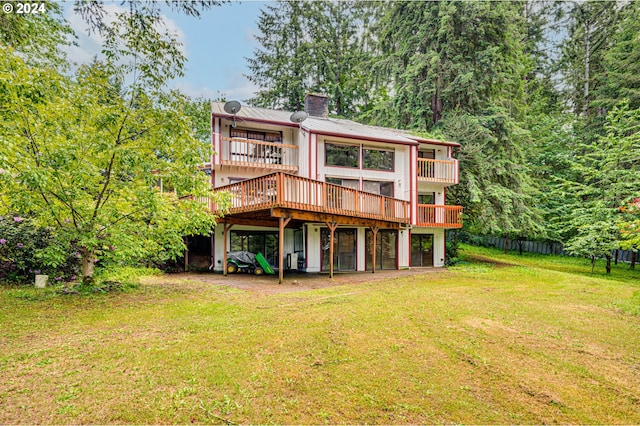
x=440 y=171
x=294 y=193
x=439 y=216
x=258 y=154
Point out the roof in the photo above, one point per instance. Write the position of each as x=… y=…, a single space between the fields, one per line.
x=326 y=126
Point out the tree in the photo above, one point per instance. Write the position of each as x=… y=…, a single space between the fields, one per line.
x=607 y=182
x=82 y=154
x=447 y=56
x=313 y=46
x=590 y=28
x=495 y=188
x=281 y=67
x=621 y=77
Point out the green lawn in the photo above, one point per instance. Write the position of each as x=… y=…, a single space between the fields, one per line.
x=475 y=344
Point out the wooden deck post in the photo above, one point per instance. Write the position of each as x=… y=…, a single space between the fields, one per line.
x=226 y=229
x=332 y=227
x=282 y=222
x=375 y=230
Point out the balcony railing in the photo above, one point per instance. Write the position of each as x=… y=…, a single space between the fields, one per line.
x=294 y=192
x=260 y=154
x=439 y=216
x=443 y=171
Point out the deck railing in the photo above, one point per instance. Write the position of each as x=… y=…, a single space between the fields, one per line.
x=439 y=216
x=443 y=171
x=294 y=192
x=254 y=153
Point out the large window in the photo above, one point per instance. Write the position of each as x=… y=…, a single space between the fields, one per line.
x=421 y=250
x=349 y=156
x=342 y=155
x=255 y=241
x=386 y=249
x=344 y=249
x=377 y=159
x=380 y=188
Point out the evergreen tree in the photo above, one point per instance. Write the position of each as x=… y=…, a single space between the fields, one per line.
x=313 y=46
x=281 y=67
x=446 y=56
x=591 y=25
x=621 y=77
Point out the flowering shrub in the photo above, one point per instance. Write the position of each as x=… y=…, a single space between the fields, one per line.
x=20 y=243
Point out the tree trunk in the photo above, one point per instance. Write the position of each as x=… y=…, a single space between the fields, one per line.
x=615 y=257
x=608 y=264
x=633 y=260
x=593 y=263
x=506 y=244
x=88 y=264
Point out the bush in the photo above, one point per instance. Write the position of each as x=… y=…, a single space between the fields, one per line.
x=21 y=243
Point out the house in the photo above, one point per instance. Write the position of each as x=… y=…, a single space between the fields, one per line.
x=308 y=188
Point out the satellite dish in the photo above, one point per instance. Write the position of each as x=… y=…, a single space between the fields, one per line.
x=232 y=107
x=298 y=116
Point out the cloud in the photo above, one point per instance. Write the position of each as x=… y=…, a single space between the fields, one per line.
x=89 y=45
x=240 y=89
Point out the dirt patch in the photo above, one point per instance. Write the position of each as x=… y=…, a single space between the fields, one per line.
x=293 y=281
x=484 y=259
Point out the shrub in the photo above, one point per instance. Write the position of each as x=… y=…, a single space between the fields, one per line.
x=22 y=243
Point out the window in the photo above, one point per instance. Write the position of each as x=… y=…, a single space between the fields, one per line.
x=421 y=250
x=236 y=180
x=342 y=155
x=380 y=188
x=427 y=198
x=347 y=183
x=386 y=249
x=344 y=249
x=255 y=241
x=377 y=159
x=427 y=153
x=256 y=135
x=349 y=156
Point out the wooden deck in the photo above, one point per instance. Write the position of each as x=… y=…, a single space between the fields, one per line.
x=441 y=171
x=438 y=216
x=258 y=154
x=278 y=191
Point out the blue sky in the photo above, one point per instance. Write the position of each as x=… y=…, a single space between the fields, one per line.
x=216 y=46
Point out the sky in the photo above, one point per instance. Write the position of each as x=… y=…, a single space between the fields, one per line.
x=215 y=45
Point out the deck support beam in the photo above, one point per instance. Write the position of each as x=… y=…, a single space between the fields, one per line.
x=283 y=222
x=226 y=229
x=375 y=230
x=332 y=228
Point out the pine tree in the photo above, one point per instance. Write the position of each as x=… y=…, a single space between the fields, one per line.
x=621 y=77
x=312 y=46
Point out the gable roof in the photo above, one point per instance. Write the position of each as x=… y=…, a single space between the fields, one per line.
x=336 y=127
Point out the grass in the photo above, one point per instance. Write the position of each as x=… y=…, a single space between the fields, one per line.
x=537 y=342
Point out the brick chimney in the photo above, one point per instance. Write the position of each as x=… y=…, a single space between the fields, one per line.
x=317 y=105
